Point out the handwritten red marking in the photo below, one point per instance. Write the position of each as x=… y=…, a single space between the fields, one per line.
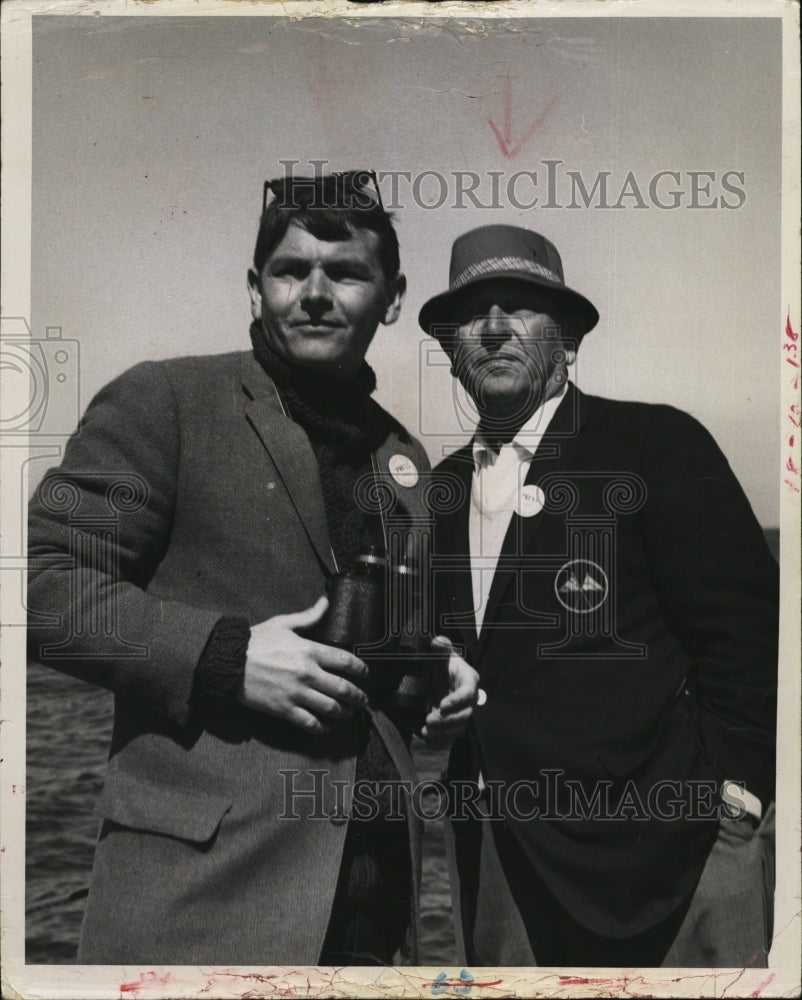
x=504 y=139
x=791 y=346
x=146 y=979
x=584 y=981
x=763 y=985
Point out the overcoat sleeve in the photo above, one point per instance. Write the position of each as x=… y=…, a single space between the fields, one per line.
x=718 y=586
x=98 y=527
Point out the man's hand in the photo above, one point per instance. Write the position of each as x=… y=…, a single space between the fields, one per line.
x=294 y=678
x=449 y=720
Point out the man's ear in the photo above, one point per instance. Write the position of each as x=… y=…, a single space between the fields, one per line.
x=447 y=347
x=396 y=289
x=255 y=294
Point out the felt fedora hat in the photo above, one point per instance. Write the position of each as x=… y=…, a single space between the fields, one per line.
x=508 y=252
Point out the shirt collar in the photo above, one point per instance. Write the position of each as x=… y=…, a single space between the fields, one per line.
x=527 y=439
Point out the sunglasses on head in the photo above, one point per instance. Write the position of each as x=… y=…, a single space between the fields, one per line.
x=346 y=189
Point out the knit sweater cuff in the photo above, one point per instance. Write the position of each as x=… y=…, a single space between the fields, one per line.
x=221 y=667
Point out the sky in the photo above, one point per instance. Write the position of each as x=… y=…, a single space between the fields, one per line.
x=152 y=138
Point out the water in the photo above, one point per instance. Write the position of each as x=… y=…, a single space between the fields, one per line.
x=69 y=730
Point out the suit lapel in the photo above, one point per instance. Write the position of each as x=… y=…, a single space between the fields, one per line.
x=291 y=452
x=555 y=454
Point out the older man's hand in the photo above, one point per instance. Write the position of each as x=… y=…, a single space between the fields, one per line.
x=449 y=720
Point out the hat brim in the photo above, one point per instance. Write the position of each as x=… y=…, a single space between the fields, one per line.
x=439 y=310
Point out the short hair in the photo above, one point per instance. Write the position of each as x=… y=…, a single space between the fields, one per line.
x=330 y=207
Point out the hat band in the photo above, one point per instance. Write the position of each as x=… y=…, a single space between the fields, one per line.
x=492 y=265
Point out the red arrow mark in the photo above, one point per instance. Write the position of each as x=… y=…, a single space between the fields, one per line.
x=504 y=138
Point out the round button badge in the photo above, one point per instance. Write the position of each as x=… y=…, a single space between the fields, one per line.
x=581 y=586
x=531 y=500
x=403 y=471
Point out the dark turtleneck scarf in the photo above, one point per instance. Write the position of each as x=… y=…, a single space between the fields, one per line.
x=372 y=902
x=344 y=427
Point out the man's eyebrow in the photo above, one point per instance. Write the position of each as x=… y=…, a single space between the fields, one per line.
x=286 y=255
x=348 y=260
x=341 y=260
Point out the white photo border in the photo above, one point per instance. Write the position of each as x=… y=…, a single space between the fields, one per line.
x=782 y=978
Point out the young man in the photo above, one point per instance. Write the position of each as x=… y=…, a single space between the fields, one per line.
x=181 y=551
x=612 y=587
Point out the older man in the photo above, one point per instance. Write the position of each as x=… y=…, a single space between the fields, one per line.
x=181 y=551
x=611 y=585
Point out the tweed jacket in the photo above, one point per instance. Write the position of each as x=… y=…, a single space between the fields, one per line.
x=187 y=495
x=630 y=641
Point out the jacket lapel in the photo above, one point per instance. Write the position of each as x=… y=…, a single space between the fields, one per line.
x=555 y=453
x=291 y=452
x=408 y=499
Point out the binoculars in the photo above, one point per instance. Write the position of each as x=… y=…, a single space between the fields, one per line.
x=375 y=612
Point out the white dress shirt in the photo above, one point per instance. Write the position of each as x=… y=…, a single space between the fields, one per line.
x=498 y=479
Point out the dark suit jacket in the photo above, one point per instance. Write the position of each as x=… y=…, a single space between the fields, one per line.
x=186 y=496
x=671 y=678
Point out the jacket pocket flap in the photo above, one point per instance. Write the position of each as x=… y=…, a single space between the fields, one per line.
x=145 y=805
